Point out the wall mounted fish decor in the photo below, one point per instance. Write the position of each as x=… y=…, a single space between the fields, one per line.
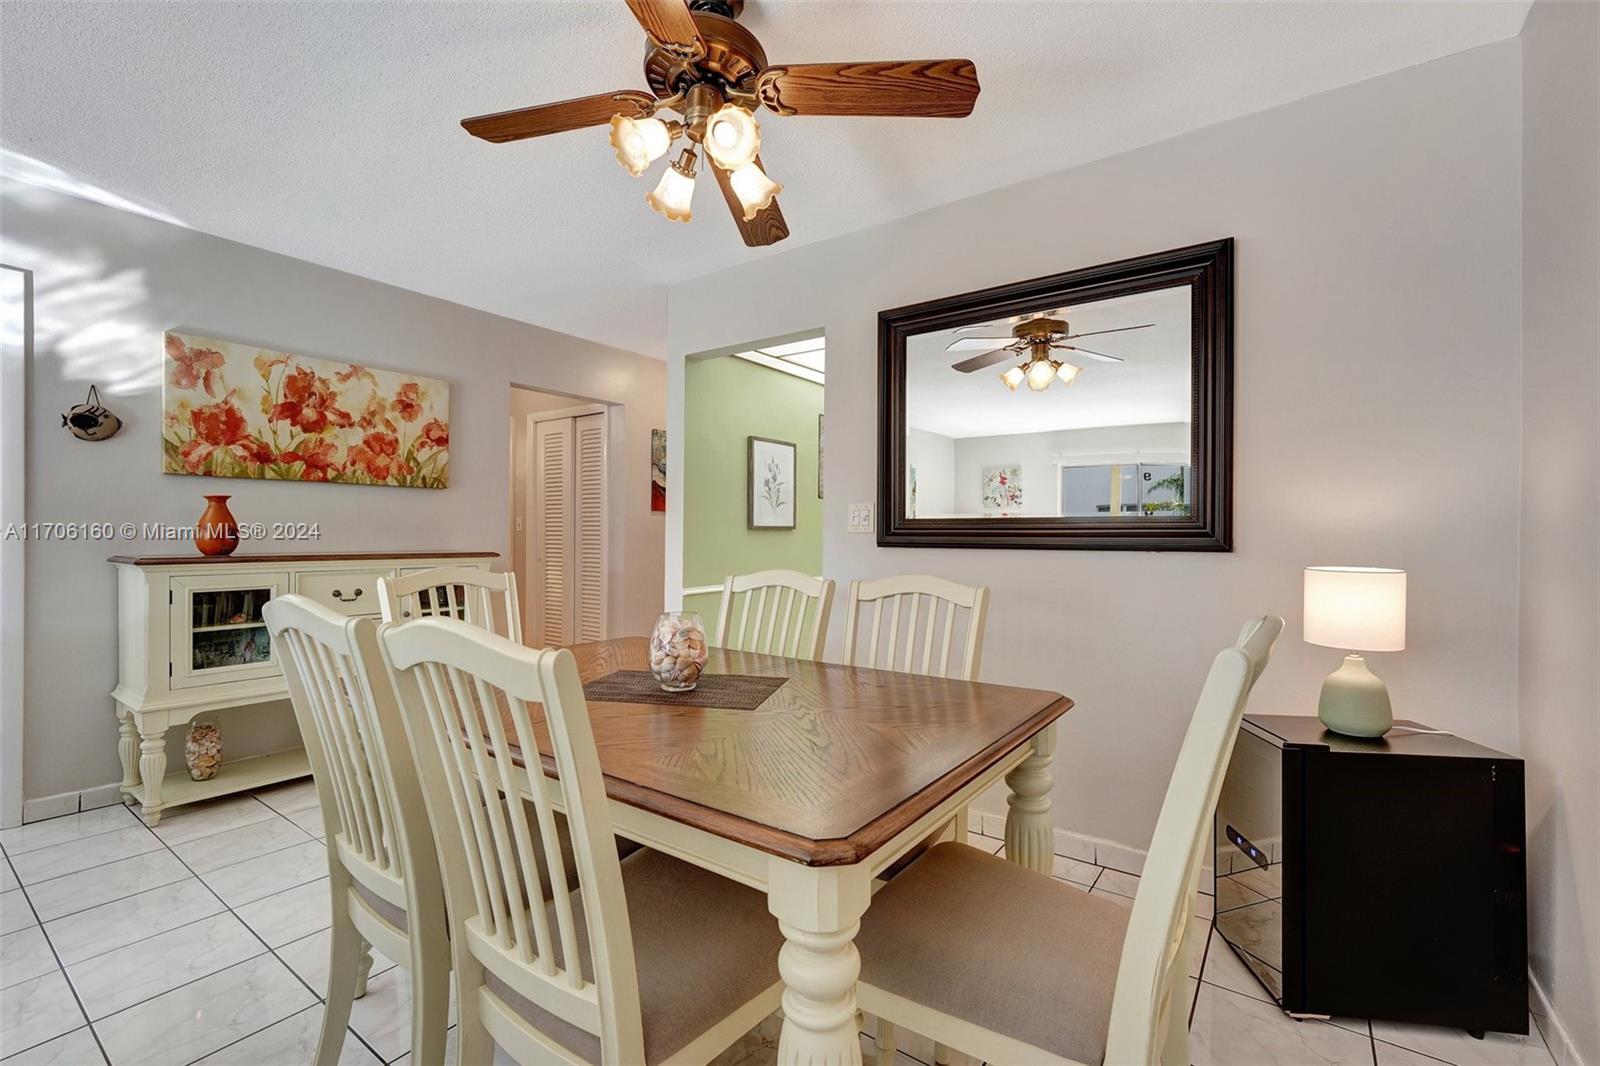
x=90 y=421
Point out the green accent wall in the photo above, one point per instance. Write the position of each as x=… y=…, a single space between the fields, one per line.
x=727 y=401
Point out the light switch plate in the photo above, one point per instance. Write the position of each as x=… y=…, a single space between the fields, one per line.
x=860 y=518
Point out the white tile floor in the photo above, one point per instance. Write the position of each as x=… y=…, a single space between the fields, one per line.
x=205 y=941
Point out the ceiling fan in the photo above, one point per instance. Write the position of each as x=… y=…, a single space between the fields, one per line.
x=1035 y=338
x=713 y=72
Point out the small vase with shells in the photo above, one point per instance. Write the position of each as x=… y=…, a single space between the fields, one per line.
x=678 y=650
x=203 y=750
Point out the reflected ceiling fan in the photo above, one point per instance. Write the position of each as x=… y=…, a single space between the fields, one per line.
x=713 y=72
x=1035 y=338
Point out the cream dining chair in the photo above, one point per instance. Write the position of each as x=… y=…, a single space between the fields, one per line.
x=649 y=959
x=912 y=639
x=797 y=601
x=383 y=876
x=944 y=952
x=477 y=597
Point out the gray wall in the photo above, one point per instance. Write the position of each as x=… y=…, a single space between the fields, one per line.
x=106 y=283
x=1560 y=602
x=1378 y=407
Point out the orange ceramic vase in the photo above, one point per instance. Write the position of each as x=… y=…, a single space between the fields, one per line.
x=217 y=533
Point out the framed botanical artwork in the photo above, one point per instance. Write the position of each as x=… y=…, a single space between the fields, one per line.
x=658 y=470
x=771 y=486
x=234 y=410
x=1002 y=488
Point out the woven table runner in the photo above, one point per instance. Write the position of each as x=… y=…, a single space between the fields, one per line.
x=737 y=692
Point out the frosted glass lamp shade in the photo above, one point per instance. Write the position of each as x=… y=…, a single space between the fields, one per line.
x=1068 y=373
x=639 y=142
x=1012 y=378
x=732 y=137
x=754 y=189
x=1356 y=608
x=672 y=196
x=1040 y=373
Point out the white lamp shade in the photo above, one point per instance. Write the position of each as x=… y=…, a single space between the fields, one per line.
x=673 y=194
x=639 y=142
x=732 y=137
x=1356 y=608
x=1012 y=378
x=754 y=189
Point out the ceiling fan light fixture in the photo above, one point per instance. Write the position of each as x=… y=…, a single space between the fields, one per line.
x=1013 y=378
x=1040 y=373
x=639 y=141
x=1068 y=373
x=732 y=137
x=754 y=189
x=676 y=189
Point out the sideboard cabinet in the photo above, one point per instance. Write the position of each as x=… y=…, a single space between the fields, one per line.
x=192 y=641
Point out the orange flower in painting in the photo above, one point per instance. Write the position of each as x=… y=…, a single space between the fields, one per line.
x=317 y=455
x=379 y=455
x=376 y=415
x=265 y=361
x=219 y=424
x=435 y=434
x=408 y=401
x=352 y=372
x=309 y=403
x=255 y=450
x=194 y=368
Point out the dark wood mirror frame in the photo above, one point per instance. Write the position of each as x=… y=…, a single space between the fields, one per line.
x=1208 y=269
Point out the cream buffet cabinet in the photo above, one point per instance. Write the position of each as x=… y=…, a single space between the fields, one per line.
x=191 y=641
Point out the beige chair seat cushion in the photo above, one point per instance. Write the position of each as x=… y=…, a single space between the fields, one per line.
x=1005 y=948
x=704 y=946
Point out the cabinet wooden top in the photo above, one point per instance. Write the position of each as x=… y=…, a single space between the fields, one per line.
x=291 y=557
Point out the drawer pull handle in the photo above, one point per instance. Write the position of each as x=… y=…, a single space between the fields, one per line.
x=338 y=594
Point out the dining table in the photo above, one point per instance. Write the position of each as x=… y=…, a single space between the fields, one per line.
x=814 y=794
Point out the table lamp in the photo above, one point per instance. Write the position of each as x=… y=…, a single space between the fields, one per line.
x=1357 y=608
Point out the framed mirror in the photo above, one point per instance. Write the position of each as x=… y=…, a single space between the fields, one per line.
x=1091 y=409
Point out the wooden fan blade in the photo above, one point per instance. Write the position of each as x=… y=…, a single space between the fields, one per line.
x=1102 y=356
x=978 y=362
x=595 y=110
x=968 y=344
x=768 y=227
x=670 y=26
x=928 y=88
x=1097 y=332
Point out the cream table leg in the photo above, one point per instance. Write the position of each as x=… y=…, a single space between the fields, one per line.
x=152 y=769
x=1030 y=838
x=128 y=748
x=819 y=910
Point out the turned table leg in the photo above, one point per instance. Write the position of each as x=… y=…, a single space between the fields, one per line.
x=128 y=749
x=819 y=910
x=152 y=769
x=1030 y=838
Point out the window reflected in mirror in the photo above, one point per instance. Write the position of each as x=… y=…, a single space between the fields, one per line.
x=1076 y=411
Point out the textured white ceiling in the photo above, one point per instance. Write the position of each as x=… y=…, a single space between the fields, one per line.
x=329 y=131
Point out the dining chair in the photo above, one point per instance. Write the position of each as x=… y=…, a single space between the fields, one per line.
x=478 y=597
x=383 y=876
x=795 y=598
x=649 y=959
x=1078 y=978
x=910 y=631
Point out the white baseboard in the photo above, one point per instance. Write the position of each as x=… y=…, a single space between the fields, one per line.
x=1084 y=848
x=1556 y=1037
x=37 y=810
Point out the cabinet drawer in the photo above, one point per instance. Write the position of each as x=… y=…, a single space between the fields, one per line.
x=352 y=592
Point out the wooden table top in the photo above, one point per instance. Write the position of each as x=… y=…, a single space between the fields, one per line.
x=829 y=768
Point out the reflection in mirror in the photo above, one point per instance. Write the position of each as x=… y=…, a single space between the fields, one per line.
x=1080 y=411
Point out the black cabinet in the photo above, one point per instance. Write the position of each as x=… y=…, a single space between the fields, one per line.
x=1376 y=878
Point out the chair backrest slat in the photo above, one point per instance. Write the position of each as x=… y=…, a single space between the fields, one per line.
x=477 y=597
x=796 y=602
x=919 y=599
x=469 y=699
x=1149 y=1023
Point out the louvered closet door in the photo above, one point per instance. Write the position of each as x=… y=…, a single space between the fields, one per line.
x=589 y=532
x=552 y=508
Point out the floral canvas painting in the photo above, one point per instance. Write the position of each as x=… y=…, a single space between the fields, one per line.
x=772 y=487
x=1002 y=487
x=233 y=410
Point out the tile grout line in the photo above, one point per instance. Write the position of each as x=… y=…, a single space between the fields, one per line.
x=62 y=970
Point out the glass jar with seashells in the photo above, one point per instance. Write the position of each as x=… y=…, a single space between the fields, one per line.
x=678 y=650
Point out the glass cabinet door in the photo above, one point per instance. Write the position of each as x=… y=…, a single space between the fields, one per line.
x=218 y=633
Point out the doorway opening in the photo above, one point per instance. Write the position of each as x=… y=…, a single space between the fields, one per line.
x=752 y=451
x=561 y=516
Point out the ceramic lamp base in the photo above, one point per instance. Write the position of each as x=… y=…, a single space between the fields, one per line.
x=1355 y=701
